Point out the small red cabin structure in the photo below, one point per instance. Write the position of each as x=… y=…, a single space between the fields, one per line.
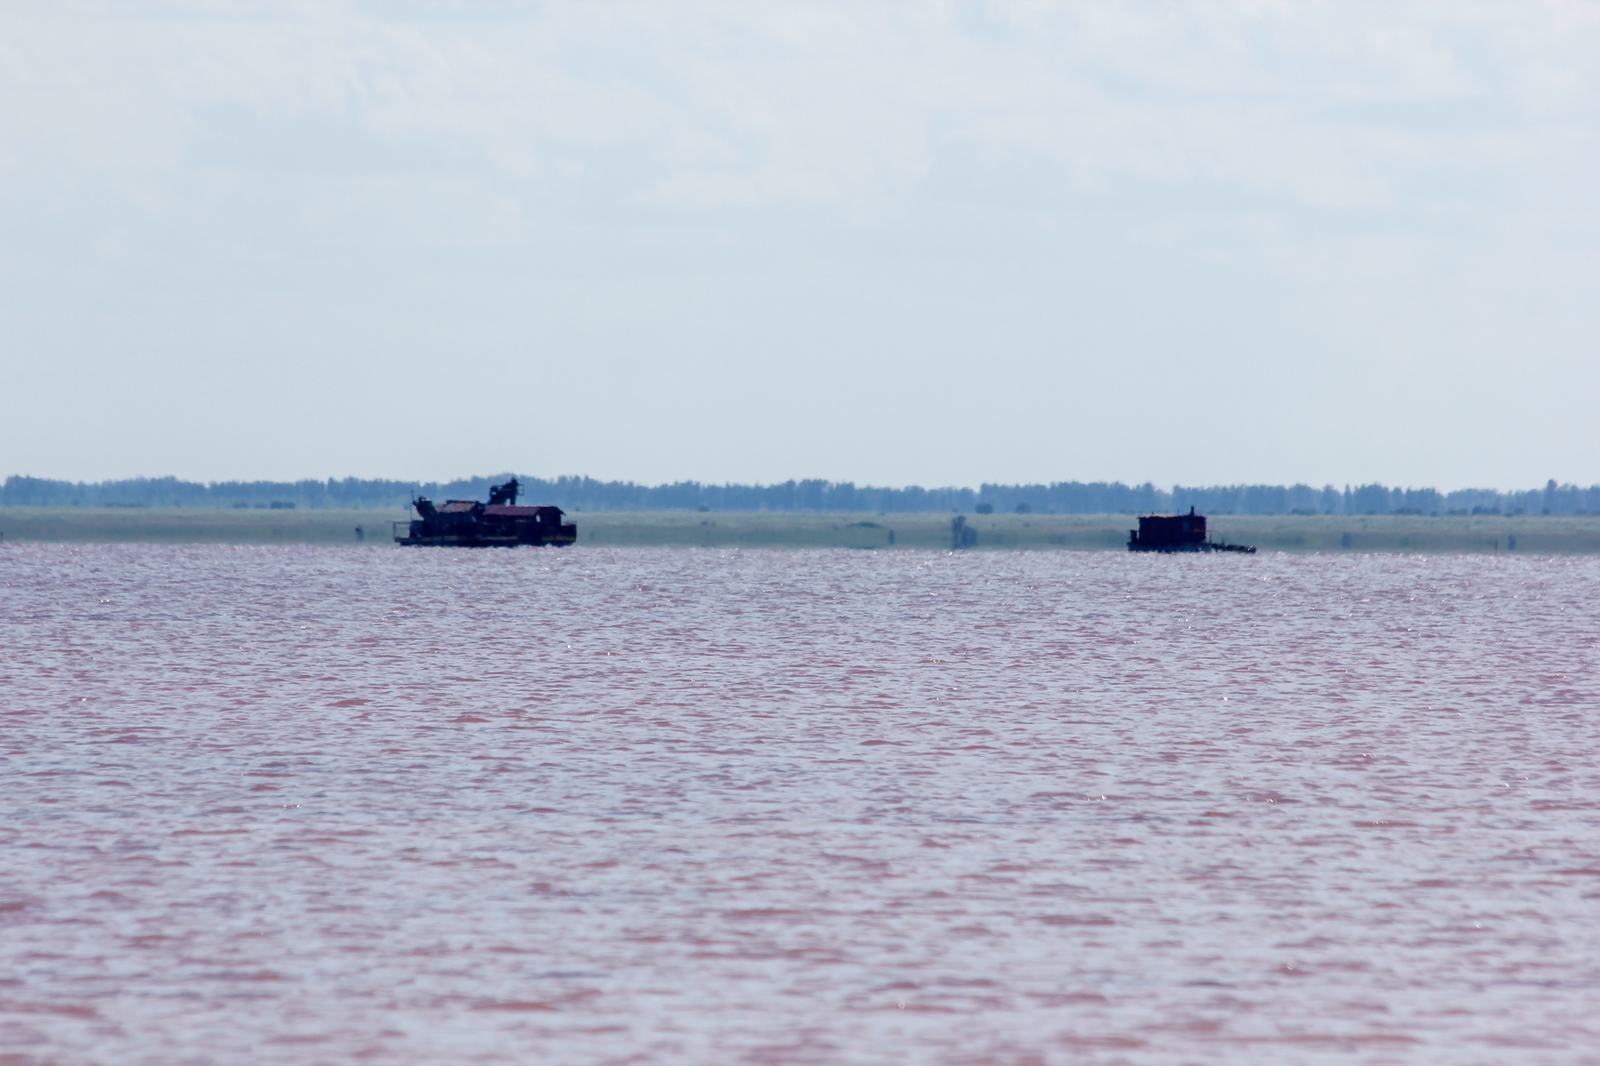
x=1176 y=533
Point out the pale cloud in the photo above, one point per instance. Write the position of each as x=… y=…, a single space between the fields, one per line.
x=1392 y=172
x=767 y=103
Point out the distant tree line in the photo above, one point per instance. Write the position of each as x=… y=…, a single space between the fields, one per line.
x=587 y=494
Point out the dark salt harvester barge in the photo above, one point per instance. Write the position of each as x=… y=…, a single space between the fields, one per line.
x=1177 y=533
x=500 y=523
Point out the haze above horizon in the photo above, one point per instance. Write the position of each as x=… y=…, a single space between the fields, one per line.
x=894 y=244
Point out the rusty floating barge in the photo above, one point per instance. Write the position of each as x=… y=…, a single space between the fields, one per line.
x=500 y=523
x=1177 y=533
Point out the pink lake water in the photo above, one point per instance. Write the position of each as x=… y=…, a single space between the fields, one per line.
x=309 y=805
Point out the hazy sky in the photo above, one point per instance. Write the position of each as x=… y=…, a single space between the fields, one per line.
x=934 y=243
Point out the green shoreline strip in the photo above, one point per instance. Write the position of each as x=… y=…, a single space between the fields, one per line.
x=1525 y=535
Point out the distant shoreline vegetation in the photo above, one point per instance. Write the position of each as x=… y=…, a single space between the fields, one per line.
x=816 y=496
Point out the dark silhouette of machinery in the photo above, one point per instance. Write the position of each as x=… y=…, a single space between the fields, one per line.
x=500 y=523
x=1177 y=533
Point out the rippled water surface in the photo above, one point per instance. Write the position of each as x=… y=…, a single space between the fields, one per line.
x=301 y=805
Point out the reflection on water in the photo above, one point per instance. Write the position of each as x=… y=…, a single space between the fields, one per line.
x=316 y=805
